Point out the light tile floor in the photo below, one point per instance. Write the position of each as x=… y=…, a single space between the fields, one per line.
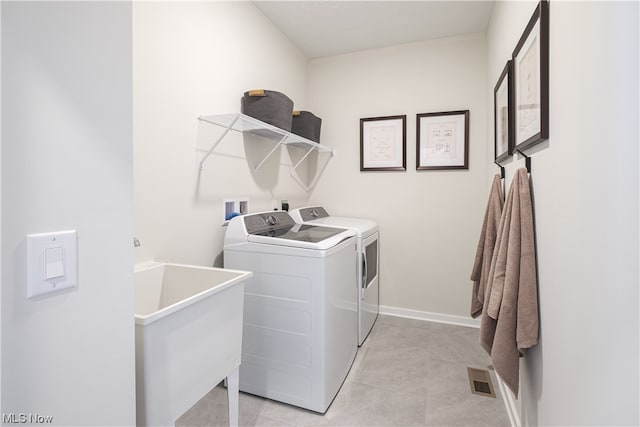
x=407 y=373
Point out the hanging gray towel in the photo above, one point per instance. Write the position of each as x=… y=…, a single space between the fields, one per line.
x=511 y=295
x=486 y=243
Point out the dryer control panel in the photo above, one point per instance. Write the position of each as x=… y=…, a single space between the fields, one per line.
x=309 y=214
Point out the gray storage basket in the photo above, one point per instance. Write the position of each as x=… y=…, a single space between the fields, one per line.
x=268 y=106
x=307 y=125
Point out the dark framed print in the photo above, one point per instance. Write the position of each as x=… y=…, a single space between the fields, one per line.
x=531 y=80
x=442 y=140
x=383 y=142
x=503 y=114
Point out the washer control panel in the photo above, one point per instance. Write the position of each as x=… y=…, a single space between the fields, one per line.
x=258 y=223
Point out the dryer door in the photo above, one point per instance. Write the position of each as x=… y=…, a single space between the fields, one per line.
x=369 y=289
x=369 y=263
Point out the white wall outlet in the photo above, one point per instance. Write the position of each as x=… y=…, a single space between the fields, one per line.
x=52 y=262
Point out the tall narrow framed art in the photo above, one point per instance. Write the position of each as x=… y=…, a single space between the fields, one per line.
x=531 y=80
x=503 y=114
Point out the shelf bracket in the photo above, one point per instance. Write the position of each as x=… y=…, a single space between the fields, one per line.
x=273 y=150
x=215 y=144
x=302 y=159
x=299 y=181
x=293 y=173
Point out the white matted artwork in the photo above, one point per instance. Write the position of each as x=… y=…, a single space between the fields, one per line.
x=503 y=114
x=442 y=140
x=383 y=143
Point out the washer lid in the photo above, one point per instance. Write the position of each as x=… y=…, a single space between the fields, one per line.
x=278 y=228
x=302 y=232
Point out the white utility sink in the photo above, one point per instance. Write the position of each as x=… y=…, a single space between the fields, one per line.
x=188 y=337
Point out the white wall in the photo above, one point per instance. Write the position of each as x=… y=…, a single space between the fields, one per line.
x=1 y=411
x=197 y=58
x=585 y=183
x=67 y=164
x=193 y=59
x=429 y=220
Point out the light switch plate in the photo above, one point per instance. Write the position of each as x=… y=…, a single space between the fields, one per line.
x=52 y=262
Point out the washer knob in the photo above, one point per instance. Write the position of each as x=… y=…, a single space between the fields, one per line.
x=271 y=220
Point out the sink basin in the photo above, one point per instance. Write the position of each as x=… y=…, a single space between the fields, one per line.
x=188 y=323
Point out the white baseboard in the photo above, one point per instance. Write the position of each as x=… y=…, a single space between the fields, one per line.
x=431 y=317
x=509 y=403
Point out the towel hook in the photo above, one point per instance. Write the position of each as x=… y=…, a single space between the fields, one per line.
x=527 y=160
x=501 y=169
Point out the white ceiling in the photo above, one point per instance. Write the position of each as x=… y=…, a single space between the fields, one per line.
x=325 y=28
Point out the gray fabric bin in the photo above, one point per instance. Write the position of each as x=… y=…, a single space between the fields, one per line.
x=271 y=107
x=307 y=125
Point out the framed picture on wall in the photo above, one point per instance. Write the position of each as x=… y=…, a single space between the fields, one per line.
x=442 y=140
x=503 y=114
x=383 y=142
x=531 y=80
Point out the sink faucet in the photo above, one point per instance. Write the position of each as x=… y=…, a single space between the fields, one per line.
x=136 y=242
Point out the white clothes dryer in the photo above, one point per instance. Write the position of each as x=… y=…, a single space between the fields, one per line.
x=300 y=332
x=368 y=248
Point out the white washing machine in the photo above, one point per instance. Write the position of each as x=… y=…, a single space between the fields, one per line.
x=368 y=260
x=300 y=333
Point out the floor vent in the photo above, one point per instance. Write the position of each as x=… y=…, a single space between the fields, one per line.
x=480 y=382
